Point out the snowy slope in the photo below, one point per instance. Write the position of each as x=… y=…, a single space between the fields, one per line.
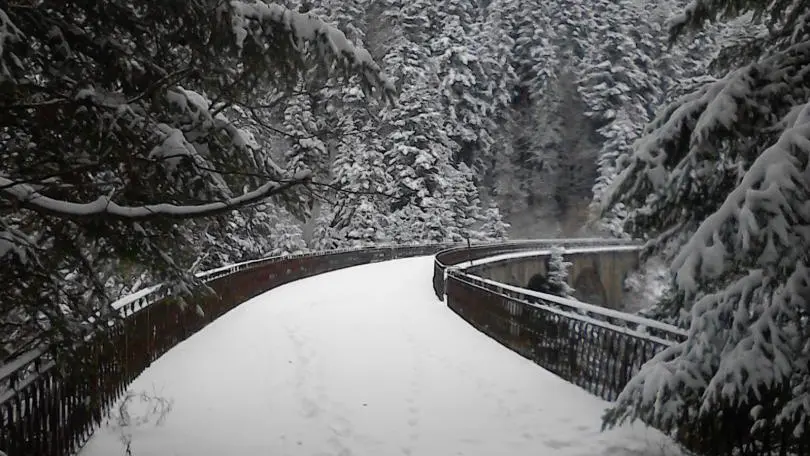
x=361 y=361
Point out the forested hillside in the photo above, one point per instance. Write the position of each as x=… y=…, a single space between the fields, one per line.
x=506 y=111
x=144 y=144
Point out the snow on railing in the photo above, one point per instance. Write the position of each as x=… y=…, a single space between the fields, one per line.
x=594 y=347
x=31 y=387
x=458 y=255
x=545 y=252
x=574 y=310
x=642 y=327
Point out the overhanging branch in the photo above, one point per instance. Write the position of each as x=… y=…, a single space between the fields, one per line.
x=103 y=206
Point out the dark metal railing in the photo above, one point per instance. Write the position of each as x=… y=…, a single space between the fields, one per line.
x=616 y=318
x=597 y=355
x=460 y=254
x=601 y=349
x=50 y=408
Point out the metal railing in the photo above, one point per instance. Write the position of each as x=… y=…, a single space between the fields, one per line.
x=49 y=408
x=461 y=254
x=596 y=348
x=601 y=349
x=577 y=345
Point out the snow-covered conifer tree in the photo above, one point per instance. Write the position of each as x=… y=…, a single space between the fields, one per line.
x=557 y=276
x=463 y=83
x=119 y=125
x=723 y=175
x=494 y=228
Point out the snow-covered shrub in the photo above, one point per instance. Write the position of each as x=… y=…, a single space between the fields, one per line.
x=558 y=274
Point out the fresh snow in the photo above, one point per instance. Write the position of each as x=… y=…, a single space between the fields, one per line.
x=361 y=361
x=546 y=252
x=306 y=27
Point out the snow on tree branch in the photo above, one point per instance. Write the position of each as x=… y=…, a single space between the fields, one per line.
x=104 y=206
x=772 y=197
x=706 y=134
x=305 y=28
x=9 y=34
x=734 y=159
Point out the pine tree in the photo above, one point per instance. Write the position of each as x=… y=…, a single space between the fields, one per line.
x=417 y=149
x=508 y=187
x=501 y=80
x=495 y=34
x=493 y=228
x=358 y=216
x=462 y=75
x=285 y=236
x=557 y=276
x=307 y=151
x=721 y=176
x=118 y=126
x=630 y=74
x=535 y=58
x=325 y=236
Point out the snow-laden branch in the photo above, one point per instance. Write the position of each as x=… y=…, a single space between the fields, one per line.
x=766 y=186
x=697 y=128
x=103 y=206
x=9 y=33
x=306 y=28
x=748 y=336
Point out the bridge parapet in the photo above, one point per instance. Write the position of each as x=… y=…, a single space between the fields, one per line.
x=50 y=408
x=460 y=255
x=597 y=273
x=595 y=347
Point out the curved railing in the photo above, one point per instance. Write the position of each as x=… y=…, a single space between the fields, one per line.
x=51 y=408
x=600 y=349
x=596 y=348
x=460 y=254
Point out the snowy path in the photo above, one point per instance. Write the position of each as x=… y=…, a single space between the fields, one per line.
x=363 y=362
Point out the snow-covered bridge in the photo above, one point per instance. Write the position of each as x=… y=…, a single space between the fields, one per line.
x=357 y=361
x=361 y=361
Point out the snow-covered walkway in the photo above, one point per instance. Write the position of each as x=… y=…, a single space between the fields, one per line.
x=363 y=362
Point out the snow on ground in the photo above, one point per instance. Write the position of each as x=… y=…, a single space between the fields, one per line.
x=362 y=361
